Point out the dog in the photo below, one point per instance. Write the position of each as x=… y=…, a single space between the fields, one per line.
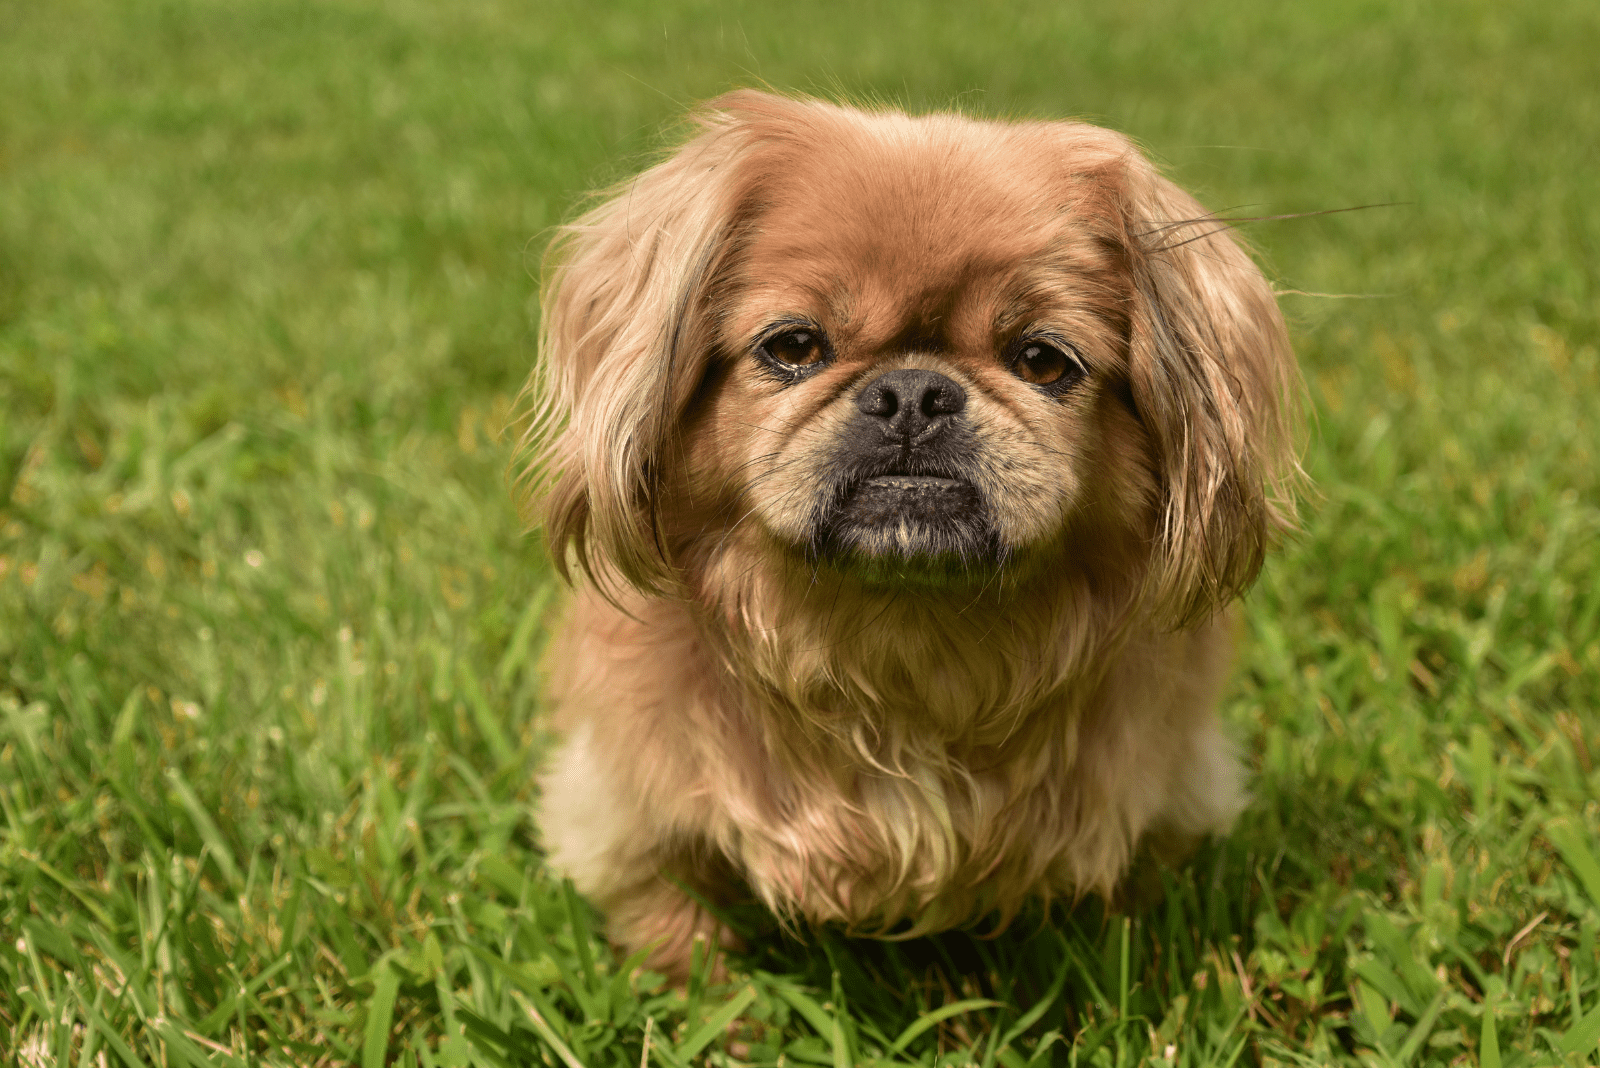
x=905 y=467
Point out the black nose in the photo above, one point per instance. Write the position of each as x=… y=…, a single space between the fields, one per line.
x=912 y=402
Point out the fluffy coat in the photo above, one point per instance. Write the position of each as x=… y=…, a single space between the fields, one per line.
x=903 y=723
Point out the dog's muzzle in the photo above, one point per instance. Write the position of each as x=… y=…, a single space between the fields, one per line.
x=901 y=492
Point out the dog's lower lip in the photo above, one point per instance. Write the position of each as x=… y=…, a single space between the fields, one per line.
x=901 y=502
x=915 y=483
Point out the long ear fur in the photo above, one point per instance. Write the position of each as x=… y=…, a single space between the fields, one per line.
x=1216 y=384
x=622 y=344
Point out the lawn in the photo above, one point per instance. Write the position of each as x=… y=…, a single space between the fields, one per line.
x=270 y=627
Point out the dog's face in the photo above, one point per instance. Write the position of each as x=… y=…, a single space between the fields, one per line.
x=914 y=351
x=922 y=363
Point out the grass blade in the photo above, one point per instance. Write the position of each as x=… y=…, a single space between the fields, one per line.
x=821 y=1022
x=546 y=1032
x=715 y=1025
x=380 y=1015
x=1122 y=973
x=1424 y=1027
x=205 y=825
x=110 y=1037
x=932 y=1019
x=516 y=653
x=1569 y=841
x=1488 y=1039
x=485 y=716
x=1031 y=1017
x=1583 y=1036
x=581 y=935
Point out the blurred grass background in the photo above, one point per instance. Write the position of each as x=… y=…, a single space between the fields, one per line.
x=268 y=624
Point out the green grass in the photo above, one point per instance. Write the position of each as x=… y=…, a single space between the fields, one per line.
x=268 y=626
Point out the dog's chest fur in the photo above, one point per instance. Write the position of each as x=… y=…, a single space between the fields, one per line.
x=880 y=787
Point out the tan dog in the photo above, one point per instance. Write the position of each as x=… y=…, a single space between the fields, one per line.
x=907 y=463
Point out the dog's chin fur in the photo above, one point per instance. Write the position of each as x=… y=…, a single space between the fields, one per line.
x=892 y=628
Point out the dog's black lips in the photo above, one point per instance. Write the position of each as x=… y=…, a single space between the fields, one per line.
x=893 y=499
x=899 y=528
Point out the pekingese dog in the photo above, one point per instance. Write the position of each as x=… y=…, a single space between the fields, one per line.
x=905 y=465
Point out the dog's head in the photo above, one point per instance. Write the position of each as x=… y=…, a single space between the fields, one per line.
x=915 y=352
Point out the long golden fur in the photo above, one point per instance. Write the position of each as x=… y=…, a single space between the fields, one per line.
x=904 y=466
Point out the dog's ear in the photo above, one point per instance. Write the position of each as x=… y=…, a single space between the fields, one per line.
x=1216 y=386
x=623 y=342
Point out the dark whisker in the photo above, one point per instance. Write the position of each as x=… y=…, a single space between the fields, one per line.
x=1234 y=220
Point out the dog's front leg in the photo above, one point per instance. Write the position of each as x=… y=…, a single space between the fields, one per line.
x=649 y=878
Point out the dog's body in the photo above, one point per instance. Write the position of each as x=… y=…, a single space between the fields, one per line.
x=909 y=461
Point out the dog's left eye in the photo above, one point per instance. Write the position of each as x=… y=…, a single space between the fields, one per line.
x=795 y=348
x=1044 y=364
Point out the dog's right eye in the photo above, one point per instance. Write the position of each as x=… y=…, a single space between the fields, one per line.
x=796 y=348
x=794 y=353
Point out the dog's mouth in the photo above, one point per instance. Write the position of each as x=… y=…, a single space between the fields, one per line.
x=895 y=500
x=905 y=528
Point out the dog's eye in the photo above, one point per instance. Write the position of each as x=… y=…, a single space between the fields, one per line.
x=796 y=348
x=1044 y=364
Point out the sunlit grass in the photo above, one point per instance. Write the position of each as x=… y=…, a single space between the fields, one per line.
x=269 y=628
